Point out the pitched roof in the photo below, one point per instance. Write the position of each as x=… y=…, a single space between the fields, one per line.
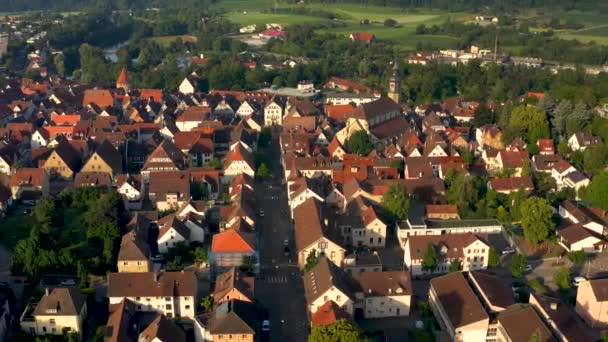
x=520 y=322
x=120 y=327
x=233 y=240
x=388 y=283
x=511 y=183
x=325 y=276
x=600 y=289
x=133 y=247
x=30 y=176
x=171 y=222
x=123 y=78
x=162 y=329
x=452 y=244
x=363 y=36
x=60 y=302
x=95 y=179
x=311 y=223
x=68 y=154
x=100 y=97
x=441 y=209
x=234 y=279
x=458 y=300
x=152 y=284
x=166 y=150
x=328 y=313
x=234 y=317
x=493 y=289
x=238 y=153
x=377 y=108
x=109 y=155
x=575 y=233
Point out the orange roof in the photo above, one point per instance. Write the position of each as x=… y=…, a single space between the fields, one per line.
x=339 y=112
x=545 y=144
x=328 y=313
x=363 y=36
x=123 y=78
x=441 y=209
x=33 y=176
x=538 y=96
x=59 y=130
x=66 y=119
x=101 y=97
x=231 y=241
x=155 y=94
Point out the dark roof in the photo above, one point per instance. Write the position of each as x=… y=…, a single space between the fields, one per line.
x=95 y=179
x=60 y=302
x=565 y=319
x=493 y=289
x=163 y=329
x=68 y=154
x=600 y=289
x=234 y=317
x=377 y=108
x=520 y=322
x=458 y=300
x=133 y=247
x=234 y=279
x=389 y=283
x=152 y=284
x=172 y=222
x=324 y=276
x=110 y=155
x=120 y=326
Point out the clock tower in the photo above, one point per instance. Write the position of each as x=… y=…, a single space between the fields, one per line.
x=394 y=84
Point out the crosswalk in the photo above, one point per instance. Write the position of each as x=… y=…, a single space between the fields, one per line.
x=275 y=279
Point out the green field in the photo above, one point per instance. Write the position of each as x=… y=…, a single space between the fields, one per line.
x=253 y=12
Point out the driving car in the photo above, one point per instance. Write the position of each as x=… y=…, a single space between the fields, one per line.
x=265 y=325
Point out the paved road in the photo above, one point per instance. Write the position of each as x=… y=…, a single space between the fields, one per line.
x=279 y=285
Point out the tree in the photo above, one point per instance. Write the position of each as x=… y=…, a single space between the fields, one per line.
x=396 y=202
x=578 y=257
x=311 y=260
x=518 y=265
x=59 y=62
x=560 y=116
x=391 y=23
x=246 y=264
x=215 y=164
x=264 y=137
x=207 y=303
x=536 y=219
x=44 y=214
x=340 y=331
x=494 y=258
x=595 y=159
x=359 y=143
x=262 y=171
x=562 y=278
x=200 y=255
x=595 y=193
x=455 y=265
x=462 y=191
x=430 y=259
x=198 y=190
x=529 y=122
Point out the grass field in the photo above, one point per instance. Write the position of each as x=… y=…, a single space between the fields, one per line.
x=253 y=12
x=166 y=40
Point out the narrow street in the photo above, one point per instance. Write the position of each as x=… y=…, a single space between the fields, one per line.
x=279 y=286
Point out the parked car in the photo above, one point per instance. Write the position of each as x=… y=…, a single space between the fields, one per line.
x=158 y=258
x=508 y=250
x=68 y=282
x=528 y=268
x=577 y=280
x=265 y=325
x=261 y=213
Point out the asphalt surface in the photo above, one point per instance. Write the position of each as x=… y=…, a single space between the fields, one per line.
x=279 y=285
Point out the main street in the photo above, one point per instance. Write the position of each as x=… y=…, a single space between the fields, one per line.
x=279 y=286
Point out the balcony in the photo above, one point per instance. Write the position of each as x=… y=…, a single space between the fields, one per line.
x=27 y=315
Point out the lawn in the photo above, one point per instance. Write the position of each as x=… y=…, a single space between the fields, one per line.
x=251 y=12
x=15 y=227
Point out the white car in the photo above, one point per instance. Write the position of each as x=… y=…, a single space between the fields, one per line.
x=265 y=325
x=577 y=280
x=508 y=251
x=528 y=268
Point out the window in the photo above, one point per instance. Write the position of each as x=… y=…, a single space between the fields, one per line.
x=338 y=298
x=53 y=330
x=137 y=298
x=187 y=307
x=52 y=321
x=125 y=263
x=44 y=329
x=167 y=299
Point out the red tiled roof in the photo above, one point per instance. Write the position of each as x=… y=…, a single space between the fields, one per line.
x=231 y=241
x=538 y=96
x=33 y=176
x=328 y=313
x=65 y=119
x=441 y=209
x=155 y=94
x=101 y=97
x=339 y=112
x=123 y=78
x=363 y=36
x=545 y=145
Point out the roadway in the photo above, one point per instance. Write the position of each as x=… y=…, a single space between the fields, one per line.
x=279 y=285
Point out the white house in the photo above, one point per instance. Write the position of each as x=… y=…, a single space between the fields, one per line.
x=387 y=294
x=273 y=112
x=238 y=161
x=189 y=85
x=131 y=188
x=173 y=231
x=581 y=140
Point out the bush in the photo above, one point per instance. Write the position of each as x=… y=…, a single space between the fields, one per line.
x=518 y=265
x=390 y=23
x=577 y=257
x=561 y=277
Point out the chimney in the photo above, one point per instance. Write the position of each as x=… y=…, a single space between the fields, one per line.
x=554 y=306
x=326 y=222
x=46 y=291
x=155 y=277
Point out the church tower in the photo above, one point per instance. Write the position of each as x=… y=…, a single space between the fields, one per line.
x=123 y=80
x=394 y=84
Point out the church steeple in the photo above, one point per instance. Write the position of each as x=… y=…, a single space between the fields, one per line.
x=123 y=80
x=394 y=84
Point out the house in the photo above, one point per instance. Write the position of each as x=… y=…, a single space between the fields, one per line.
x=162 y=329
x=238 y=161
x=581 y=140
x=274 y=111
x=230 y=321
x=230 y=248
x=173 y=231
x=233 y=284
x=173 y=294
x=169 y=189
x=521 y=322
x=134 y=254
x=122 y=324
x=458 y=311
x=189 y=85
x=586 y=216
x=469 y=249
x=387 y=294
x=361 y=225
x=325 y=282
x=364 y=37
x=29 y=181
x=591 y=296
x=328 y=314
x=60 y=310
x=563 y=321
x=105 y=159
x=489 y=135
x=98 y=180
x=567 y=176
x=442 y=212
x=545 y=146
x=9 y=154
x=320 y=188
x=64 y=161
x=131 y=188
x=192 y=117
x=576 y=237
x=512 y=160
x=316 y=233
x=511 y=184
x=166 y=157
x=102 y=98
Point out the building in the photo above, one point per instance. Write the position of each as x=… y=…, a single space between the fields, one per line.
x=326 y=282
x=162 y=329
x=105 y=159
x=361 y=225
x=169 y=189
x=230 y=321
x=134 y=254
x=64 y=161
x=394 y=84
x=591 y=301
x=233 y=284
x=238 y=161
x=173 y=294
x=519 y=323
x=274 y=111
x=29 y=183
x=458 y=311
x=60 y=311
x=231 y=247
x=581 y=140
x=563 y=321
x=123 y=81
x=469 y=249
x=387 y=294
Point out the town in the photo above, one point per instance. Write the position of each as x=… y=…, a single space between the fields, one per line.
x=207 y=190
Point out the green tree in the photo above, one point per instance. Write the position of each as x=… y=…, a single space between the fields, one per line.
x=312 y=259
x=578 y=257
x=518 y=265
x=530 y=122
x=200 y=255
x=359 y=143
x=396 y=202
x=494 y=258
x=562 y=278
x=430 y=260
x=595 y=159
x=536 y=219
x=59 y=62
x=207 y=303
x=198 y=190
x=463 y=192
x=44 y=214
x=263 y=171
x=340 y=331
x=595 y=193
x=455 y=265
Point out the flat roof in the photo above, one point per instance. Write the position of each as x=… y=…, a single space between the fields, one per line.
x=440 y=224
x=293 y=92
